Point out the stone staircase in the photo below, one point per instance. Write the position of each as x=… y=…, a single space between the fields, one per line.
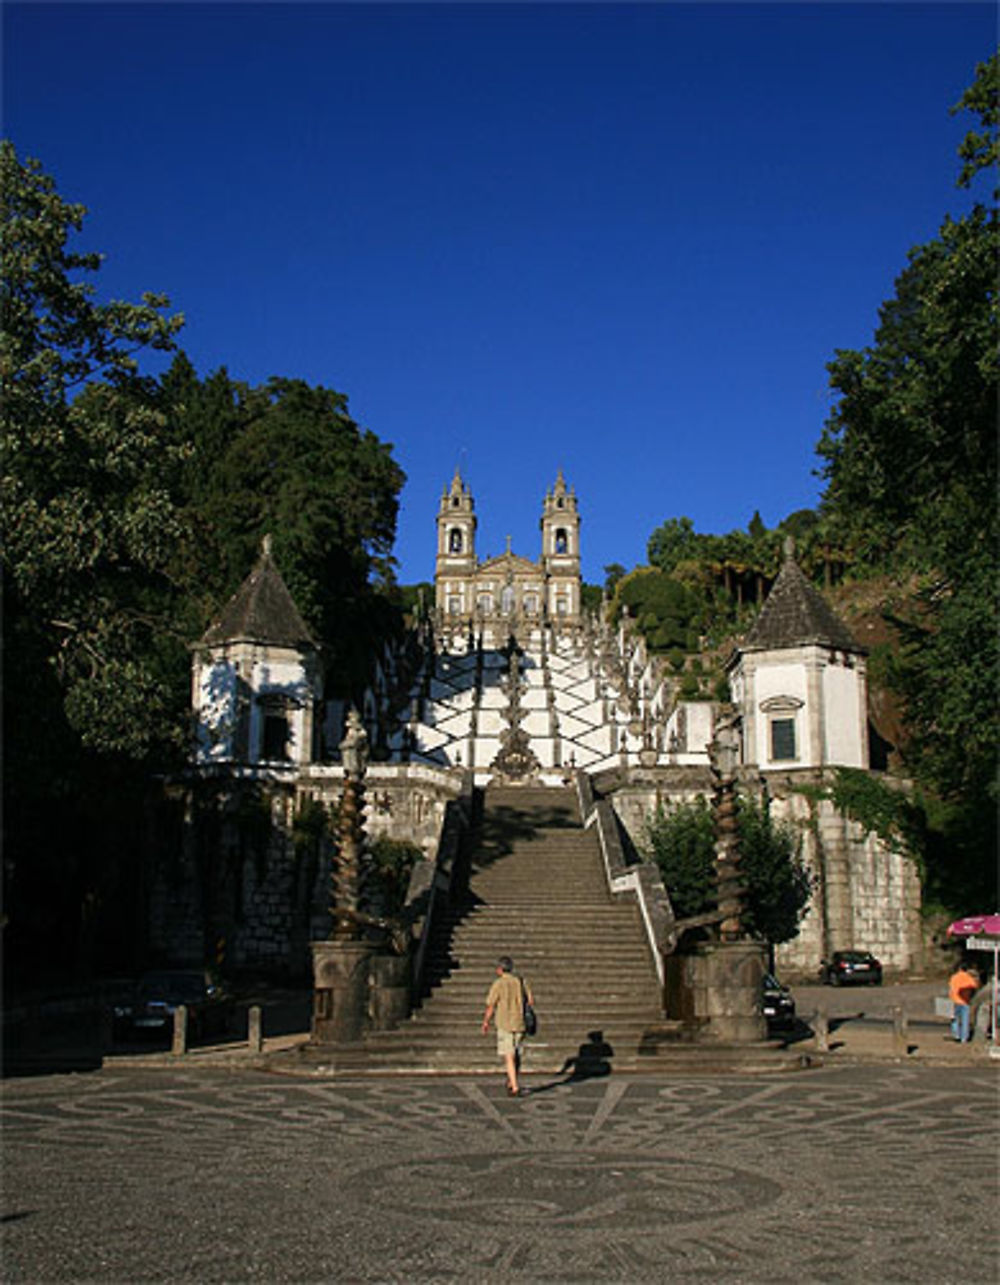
x=536 y=891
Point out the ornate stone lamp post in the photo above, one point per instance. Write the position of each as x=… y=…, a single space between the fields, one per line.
x=725 y=975
x=723 y=754
x=341 y=965
x=347 y=863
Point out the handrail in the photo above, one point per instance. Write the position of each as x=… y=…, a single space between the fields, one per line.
x=641 y=878
x=432 y=880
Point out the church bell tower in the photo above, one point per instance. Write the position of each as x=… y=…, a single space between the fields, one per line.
x=561 y=552
x=455 y=565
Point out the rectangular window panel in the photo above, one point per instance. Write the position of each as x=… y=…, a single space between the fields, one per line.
x=276 y=737
x=782 y=738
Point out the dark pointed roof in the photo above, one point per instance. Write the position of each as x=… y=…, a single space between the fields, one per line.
x=796 y=613
x=261 y=610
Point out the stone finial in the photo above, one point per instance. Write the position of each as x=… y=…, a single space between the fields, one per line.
x=267 y=546
x=788 y=548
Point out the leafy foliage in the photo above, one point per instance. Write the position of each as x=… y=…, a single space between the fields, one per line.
x=877 y=807
x=287 y=459
x=391 y=862
x=681 y=840
x=778 y=882
x=90 y=525
x=131 y=507
x=980 y=149
x=667 y=611
x=911 y=466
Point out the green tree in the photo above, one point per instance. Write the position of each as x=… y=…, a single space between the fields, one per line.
x=667 y=611
x=91 y=532
x=778 y=882
x=681 y=839
x=675 y=541
x=909 y=455
x=287 y=458
x=90 y=526
x=980 y=149
x=613 y=572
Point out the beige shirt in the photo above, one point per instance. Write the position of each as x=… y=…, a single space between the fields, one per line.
x=506 y=998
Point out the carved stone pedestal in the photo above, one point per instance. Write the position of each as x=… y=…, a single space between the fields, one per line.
x=340 y=991
x=717 y=990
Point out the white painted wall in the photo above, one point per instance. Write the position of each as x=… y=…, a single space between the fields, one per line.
x=217 y=693
x=844 y=698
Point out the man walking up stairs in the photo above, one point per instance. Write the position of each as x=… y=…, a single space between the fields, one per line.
x=537 y=892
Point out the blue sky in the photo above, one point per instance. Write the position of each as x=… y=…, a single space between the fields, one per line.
x=621 y=240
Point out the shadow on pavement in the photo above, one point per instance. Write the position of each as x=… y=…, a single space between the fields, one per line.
x=592 y=1061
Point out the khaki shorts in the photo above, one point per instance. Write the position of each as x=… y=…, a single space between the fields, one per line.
x=509 y=1042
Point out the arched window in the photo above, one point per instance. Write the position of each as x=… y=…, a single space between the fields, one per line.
x=561 y=541
x=455 y=540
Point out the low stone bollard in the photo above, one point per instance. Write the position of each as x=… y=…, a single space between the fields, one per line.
x=179 y=1046
x=255 y=1029
x=821 y=1029
x=900 y=1031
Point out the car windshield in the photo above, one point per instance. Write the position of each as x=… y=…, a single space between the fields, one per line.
x=855 y=957
x=181 y=988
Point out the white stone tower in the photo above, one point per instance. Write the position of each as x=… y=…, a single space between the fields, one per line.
x=561 y=551
x=256 y=678
x=800 y=681
x=455 y=566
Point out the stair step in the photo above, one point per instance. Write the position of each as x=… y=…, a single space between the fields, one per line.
x=537 y=890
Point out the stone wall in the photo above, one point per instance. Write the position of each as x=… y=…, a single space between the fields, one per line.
x=253 y=903
x=865 y=896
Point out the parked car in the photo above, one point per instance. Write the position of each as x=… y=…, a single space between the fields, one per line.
x=150 y=1011
x=776 y=1002
x=851 y=968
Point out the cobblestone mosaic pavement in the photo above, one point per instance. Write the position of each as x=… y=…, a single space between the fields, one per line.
x=881 y=1174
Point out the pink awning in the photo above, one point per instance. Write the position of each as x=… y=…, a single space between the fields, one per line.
x=976 y=926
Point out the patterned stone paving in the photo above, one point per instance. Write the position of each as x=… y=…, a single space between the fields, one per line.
x=844 y=1175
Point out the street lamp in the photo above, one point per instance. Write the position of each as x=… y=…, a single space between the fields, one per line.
x=347 y=862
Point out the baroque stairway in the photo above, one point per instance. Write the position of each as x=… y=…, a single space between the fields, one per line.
x=536 y=891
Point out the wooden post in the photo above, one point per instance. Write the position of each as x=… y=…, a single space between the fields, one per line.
x=179 y=1046
x=255 y=1029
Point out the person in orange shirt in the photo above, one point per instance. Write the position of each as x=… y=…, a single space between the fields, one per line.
x=962 y=985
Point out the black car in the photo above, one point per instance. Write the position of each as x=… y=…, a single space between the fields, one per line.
x=851 y=968
x=150 y=1011
x=776 y=1002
